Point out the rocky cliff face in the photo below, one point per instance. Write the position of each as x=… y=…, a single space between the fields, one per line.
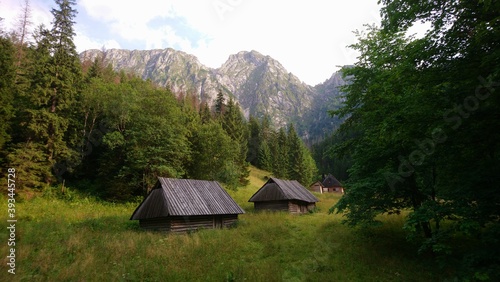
x=260 y=84
x=177 y=70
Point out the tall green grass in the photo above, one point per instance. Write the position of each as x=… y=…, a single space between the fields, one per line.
x=88 y=240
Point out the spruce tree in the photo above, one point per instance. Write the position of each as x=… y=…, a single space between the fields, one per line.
x=280 y=154
x=234 y=124
x=265 y=159
x=296 y=161
x=219 y=104
x=7 y=69
x=50 y=99
x=205 y=114
x=254 y=141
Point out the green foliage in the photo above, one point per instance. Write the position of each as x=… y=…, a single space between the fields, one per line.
x=214 y=155
x=330 y=161
x=301 y=164
x=219 y=104
x=7 y=78
x=235 y=126
x=416 y=110
x=33 y=169
x=254 y=141
x=138 y=145
x=281 y=152
x=265 y=156
x=49 y=77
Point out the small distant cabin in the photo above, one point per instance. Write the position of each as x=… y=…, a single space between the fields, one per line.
x=284 y=195
x=180 y=205
x=317 y=187
x=330 y=184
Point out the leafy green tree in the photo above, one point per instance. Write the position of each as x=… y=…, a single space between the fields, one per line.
x=419 y=112
x=142 y=145
x=214 y=155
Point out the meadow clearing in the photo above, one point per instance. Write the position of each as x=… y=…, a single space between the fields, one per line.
x=78 y=238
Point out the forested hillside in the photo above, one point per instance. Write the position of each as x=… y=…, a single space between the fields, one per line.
x=67 y=122
x=258 y=83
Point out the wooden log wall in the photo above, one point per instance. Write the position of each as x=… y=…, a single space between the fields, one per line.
x=299 y=207
x=188 y=223
x=271 y=205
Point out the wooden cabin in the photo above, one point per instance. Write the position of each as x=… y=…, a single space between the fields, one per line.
x=284 y=195
x=331 y=184
x=180 y=205
x=317 y=187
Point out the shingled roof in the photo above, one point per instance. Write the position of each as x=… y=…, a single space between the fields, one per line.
x=277 y=189
x=330 y=181
x=186 y=197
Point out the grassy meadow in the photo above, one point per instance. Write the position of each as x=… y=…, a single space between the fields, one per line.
x=88 y=240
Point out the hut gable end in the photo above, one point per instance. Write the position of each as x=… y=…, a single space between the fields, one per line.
x=330 y=181
x=277 y=189
x=186 y=197
x=284 y=195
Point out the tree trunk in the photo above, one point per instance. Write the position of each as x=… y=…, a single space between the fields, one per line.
x=417 y=199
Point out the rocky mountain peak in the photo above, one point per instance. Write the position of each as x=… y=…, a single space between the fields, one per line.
x=259 y=83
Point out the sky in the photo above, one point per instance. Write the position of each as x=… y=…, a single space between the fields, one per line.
x=309 y=38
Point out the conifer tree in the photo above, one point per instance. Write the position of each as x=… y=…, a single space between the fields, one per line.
x=254 y=141
x=205 y=114
x=234 y=124
x=219 y=104
x=54 y=81
x=265 y=156
x=296 y=160
x=280 y=155
x=7 y=78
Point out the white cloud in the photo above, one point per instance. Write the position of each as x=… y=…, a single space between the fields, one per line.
x=307 y=37
x=10 y=11
x=83 y=43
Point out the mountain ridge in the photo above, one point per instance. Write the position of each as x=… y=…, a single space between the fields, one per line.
x=259 y=83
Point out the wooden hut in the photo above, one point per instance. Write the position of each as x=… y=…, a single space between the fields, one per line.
x=316 y=187
x=331 y=184
x=184 y=204
x=284 y=195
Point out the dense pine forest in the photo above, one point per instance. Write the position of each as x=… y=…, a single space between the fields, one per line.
x=420 y=138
